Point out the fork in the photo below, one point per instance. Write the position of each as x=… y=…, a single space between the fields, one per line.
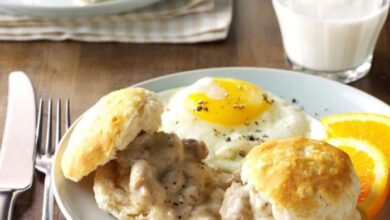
x=44 y=159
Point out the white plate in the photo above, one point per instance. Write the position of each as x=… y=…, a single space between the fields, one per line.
x=316 y=95
x=70 y=8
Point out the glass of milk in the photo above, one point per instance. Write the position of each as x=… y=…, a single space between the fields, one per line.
x=331 y=38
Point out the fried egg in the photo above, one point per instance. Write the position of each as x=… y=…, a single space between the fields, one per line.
x=230 y=116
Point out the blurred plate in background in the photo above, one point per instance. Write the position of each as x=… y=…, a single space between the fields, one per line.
x=70 y=8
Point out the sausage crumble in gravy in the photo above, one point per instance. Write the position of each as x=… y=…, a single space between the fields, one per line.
x=160 y=177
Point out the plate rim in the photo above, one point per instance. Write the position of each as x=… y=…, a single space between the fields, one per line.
x=69 y=11
x=97 y=4
x=300 y=74
x=190 y=72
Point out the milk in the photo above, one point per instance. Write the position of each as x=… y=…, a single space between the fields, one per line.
x=330 y=35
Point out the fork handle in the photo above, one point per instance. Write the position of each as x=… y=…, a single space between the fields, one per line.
x=48 y=198
x=6 y=205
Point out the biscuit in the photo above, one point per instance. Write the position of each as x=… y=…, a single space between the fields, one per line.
x=296 y=178
x=109 y=126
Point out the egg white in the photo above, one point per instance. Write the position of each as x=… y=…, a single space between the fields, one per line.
x=228 y=145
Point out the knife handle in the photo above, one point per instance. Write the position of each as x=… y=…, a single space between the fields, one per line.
x=5 y=205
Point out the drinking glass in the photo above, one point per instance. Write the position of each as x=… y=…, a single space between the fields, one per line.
x=331 y=38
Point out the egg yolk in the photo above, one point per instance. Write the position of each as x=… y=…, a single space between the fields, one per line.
x=241 y=102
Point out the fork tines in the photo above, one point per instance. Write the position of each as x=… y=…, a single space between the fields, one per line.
x=48 y=139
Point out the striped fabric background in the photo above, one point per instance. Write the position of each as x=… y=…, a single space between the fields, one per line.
x=169 y=21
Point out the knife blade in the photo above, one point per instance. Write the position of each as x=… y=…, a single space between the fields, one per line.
x=17 y=150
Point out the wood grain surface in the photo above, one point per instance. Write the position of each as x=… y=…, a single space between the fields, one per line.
x=84 y=72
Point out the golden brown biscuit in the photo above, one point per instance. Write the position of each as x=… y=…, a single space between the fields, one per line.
x=296 y=178
x=110 y=125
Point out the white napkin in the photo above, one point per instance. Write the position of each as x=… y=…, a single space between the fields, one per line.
x=169 y=21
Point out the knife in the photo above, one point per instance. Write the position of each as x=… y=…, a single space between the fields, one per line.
x=17 y=150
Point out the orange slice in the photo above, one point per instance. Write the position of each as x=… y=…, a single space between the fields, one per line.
x=372 y=128
x=371 y=166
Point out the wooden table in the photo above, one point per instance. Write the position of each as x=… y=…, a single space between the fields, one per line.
x=84 y=72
